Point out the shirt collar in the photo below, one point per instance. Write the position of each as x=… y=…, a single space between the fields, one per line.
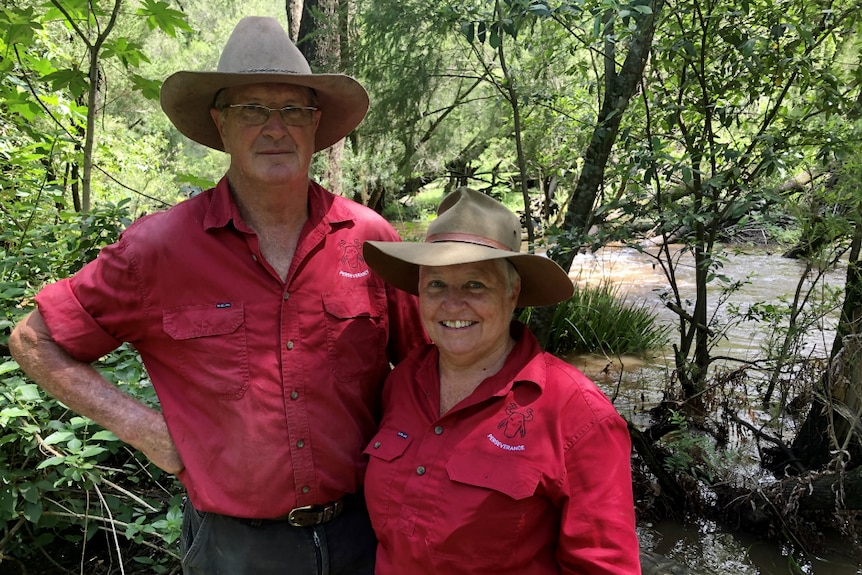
x=323 y=207
x=524 y=364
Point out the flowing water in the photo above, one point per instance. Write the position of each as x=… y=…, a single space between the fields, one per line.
x=637 y=386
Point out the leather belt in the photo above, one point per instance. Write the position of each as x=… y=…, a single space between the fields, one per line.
x=312 y=515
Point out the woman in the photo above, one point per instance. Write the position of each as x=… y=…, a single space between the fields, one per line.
x=492 y=457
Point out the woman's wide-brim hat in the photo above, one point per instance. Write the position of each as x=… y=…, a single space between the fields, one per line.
x=470 y=227
x=259 y=52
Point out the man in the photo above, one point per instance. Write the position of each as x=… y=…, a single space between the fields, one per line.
x=266 y=338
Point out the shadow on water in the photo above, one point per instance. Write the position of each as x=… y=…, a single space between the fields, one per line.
x=637 y=385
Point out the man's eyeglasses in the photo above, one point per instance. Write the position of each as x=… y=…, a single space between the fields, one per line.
x=255 y=114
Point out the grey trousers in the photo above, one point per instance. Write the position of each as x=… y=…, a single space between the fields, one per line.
x=215 y=544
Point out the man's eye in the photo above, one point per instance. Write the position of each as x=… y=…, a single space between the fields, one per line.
x=253 y=112
x=475 y=285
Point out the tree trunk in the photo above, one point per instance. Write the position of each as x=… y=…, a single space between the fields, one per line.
x=833 y=423
x=768 y=509
x=616 y=100
x=322 y=34
x=294 y=9
x=620 y=90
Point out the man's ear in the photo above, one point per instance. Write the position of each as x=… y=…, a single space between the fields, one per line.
x=218 y=120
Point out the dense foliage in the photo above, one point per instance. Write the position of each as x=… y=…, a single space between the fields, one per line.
x=687 y=123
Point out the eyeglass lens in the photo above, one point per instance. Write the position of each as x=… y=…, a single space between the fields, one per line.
x=255 y=114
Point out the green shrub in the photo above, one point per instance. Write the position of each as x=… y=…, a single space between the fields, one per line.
x=598 y=320
x=63 y=479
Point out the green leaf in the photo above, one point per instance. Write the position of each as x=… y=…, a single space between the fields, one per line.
x=161 y=15
x=29 y=492
x=28 y=392
x=129 y=53
x=8 y=366
x=468 y=29
x=51 y=462
x=540 y=10
x=105 y=435
x=11 y=412
x=92 y=450
x=150 y=89
x=73 y=80
x=33 y=511
x=58 y=437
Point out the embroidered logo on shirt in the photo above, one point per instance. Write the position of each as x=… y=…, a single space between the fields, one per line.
x=402 y=435
x=516 y=422
x=353 y=264
x=514 y=425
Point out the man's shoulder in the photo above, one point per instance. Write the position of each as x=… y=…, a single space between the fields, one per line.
x=179 y=217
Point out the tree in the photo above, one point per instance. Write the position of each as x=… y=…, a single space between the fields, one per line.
x=322 y=35
x=718 y=127
x=66 y=93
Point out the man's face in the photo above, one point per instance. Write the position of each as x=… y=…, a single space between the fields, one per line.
x=272 y=152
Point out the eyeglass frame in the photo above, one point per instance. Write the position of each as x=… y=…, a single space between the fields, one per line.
x=281 y=111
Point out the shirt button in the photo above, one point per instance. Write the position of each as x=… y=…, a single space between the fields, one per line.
x=376 y=445
x=294 y=395
x=286 y=296
x=300 y=444
x=254 y=257
x=306 y=488
x=438 y=430
x=420 y=470
x=289 y=345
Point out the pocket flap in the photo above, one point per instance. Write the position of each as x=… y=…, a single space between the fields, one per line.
x=347 y=304
x=388 y=444
x=202 y=320
x=513 y=478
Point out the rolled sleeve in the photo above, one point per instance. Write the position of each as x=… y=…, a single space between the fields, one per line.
x=71 y=326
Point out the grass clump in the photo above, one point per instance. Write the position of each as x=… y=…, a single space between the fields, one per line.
x=597 y=319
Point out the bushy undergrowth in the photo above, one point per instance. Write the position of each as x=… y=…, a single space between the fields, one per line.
x=69 y=489
x=597 y=319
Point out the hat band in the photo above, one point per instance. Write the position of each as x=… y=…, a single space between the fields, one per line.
x=468 y=238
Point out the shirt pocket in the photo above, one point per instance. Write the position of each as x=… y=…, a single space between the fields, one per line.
x=488 y=506
x=210 y=347
x=384 y=455
x=356 y=332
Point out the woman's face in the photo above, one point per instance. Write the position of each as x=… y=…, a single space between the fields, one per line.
x=466 y=309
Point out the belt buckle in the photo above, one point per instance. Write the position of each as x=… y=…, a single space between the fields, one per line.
x=293 y=519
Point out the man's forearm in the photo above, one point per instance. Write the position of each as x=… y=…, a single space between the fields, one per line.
x=80 y=387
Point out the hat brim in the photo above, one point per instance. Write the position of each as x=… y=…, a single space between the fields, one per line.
x=543 y=281
x=186 y=98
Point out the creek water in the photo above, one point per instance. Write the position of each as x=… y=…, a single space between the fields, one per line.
x=637 y=385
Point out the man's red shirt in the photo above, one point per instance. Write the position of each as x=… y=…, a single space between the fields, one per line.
x=270 y=389
x=529 y=475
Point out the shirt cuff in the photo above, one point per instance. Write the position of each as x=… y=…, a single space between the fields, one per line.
x=71 y=326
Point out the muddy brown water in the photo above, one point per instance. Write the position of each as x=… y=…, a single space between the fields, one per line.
x=638 y=384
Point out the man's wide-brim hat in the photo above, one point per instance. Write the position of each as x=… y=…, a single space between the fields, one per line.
x=258 y=52
x=470 y=227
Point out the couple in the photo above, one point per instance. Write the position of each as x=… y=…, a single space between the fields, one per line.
x=268 y=341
